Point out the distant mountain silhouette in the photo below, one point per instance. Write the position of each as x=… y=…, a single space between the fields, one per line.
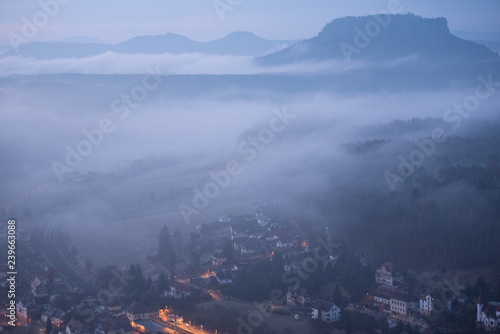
x=81 y=39
x=243 y=43
x=166 y=43
x=238 y=44
x=382 y=38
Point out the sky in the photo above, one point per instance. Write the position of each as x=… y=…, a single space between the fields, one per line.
x=113 y=21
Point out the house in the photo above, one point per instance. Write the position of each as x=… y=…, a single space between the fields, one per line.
x=90 y=305
x=26 y=309
x=224 y=277
x=155 y=278
x=224 y=219
x=179 y=291
x=136 y=311
x=238 y=232
x=402 y=305
x=47 y=314
x=109 y=325
x=279 y=231
x=382 y=295
x=43 y=279
x=238 y=242
x=326 y=311
x=425 y=304
x=297 y=296
x=76 y=327
x=462 y=299
x=488 y=314
x=293 y=265
x=49 y=276
x=42 y=302
x=262 y=220
x=252 y=245
x=285 y=242
x=174 y=318
x=57 y=318
x=219 y=258
x=394 y=299
x=39 y=288
x=55 y=315
x=114 y=306
x=385 y=274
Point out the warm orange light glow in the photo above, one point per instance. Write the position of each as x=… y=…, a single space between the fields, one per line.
x=137 y=326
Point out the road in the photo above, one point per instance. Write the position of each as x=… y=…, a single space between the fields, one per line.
x=180 y=328
x=47 y=244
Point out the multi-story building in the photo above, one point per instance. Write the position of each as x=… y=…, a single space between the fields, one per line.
x=326 y=311
x=425 y=304
x=385 y=274
x=488 y=314
x=394 y=299
x=297 y=296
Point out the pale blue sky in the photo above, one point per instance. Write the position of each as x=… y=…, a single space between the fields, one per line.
x=118 y=20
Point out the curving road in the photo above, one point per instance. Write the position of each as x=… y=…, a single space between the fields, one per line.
x=47 y=244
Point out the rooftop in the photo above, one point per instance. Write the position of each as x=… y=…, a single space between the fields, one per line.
x=323 y=305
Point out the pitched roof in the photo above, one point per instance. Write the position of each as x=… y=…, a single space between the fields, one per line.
x=137 y=308
x=42 y=300
x=108 y=324
x=323 y=305
x=286 y=239
x=252 y=243
x=115 y=302
x=490 y=310
x=391 y=292
x=298 y=291
x=183 y=286
x=389 y=266
x=219 y=254
x=49 y=312
x=224 y=274
x=27 y=299
x=280 y=231
x=240 y=240
x=74 y=325
x=238 y=230
x=48 y=275
x=58 y=314
x=122 y=322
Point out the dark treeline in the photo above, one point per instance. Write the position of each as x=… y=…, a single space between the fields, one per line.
x=445 y=214
x=263 y=280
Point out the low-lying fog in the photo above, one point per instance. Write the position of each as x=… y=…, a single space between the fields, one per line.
x=77 y=149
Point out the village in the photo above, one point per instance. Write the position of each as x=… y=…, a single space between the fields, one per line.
x=270 y=275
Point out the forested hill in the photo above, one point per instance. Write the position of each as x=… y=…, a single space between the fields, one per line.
x=445 y=212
